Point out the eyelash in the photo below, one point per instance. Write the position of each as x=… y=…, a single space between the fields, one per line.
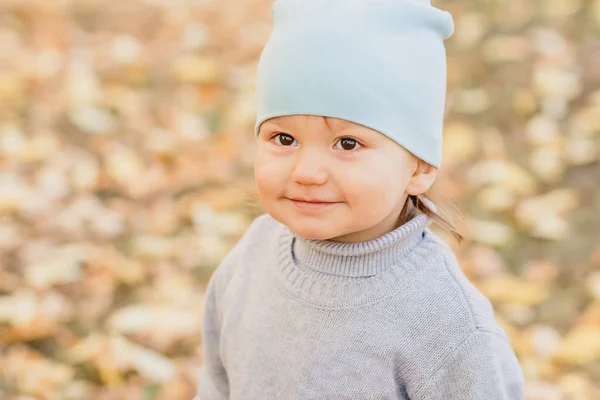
x=342 y=138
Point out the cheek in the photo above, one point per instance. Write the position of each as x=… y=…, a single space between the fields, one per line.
x=268 y=174
x=376 y=189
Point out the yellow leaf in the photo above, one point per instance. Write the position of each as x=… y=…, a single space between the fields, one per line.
x=198 y=69
x=509 y=288
x=460 y=142
x=580 y=346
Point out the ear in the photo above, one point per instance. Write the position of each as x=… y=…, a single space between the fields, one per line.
x=422 y=178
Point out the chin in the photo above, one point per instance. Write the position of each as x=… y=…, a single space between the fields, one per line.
x=311 y=232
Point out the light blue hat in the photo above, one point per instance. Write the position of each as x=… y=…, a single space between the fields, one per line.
x=378 y=63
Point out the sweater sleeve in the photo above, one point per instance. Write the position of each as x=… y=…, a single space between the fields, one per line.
x=213 y=383
x=483 y=367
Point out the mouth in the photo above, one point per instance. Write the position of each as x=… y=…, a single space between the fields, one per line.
x=311 y=205
x=311 y=201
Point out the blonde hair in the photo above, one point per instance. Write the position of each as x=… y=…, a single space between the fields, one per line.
x=415 y=206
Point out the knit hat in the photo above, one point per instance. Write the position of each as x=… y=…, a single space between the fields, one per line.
x=378 y=63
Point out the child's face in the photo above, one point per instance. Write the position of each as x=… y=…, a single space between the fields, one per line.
x=361 y=177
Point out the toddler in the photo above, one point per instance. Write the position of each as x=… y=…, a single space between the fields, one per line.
x=340 y=290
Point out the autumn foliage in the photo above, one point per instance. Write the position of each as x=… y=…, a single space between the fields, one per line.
x=126 y=153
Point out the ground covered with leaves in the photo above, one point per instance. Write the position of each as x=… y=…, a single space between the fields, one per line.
x=126 y=153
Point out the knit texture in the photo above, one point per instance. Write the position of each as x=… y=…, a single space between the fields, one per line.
x=393 y=318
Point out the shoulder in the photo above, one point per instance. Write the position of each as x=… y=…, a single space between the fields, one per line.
x=259 y=236
x=452 y=293
x=446 y=310
x=262 y=225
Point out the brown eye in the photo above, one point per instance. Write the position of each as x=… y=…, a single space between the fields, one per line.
x=284 y=139
x=348 y=144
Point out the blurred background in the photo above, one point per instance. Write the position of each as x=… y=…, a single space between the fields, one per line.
x=126 y=153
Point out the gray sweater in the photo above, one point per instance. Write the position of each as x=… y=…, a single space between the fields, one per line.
x=393 y=318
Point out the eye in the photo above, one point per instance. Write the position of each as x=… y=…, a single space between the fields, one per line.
x=347 y=144
x=284 y=139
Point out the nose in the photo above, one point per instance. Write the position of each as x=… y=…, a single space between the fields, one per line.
x=310 y=168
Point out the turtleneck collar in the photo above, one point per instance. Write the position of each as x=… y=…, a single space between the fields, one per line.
x=331 y=274
x=364 y=258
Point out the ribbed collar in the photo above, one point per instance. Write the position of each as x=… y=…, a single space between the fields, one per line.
x=334 y=274
x=364 y=258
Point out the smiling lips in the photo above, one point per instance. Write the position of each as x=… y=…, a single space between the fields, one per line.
x=311 y=204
